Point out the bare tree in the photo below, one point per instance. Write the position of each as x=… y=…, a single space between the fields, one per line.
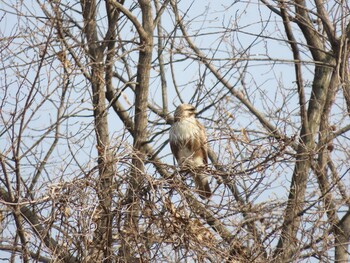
x=87 y=95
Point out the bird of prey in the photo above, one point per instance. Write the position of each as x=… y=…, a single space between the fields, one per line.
x=188 y=143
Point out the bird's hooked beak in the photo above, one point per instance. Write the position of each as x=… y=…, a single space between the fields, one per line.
x=194 y=111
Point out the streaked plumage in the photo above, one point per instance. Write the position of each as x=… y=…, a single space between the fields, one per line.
x=188 y=143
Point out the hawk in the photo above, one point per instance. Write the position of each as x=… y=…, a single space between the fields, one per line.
x=188 y=143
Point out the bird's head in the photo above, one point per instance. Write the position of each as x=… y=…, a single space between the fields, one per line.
x=184 y=111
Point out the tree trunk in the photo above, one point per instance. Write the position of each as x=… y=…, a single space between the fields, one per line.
x=288 y=241
x=140 y=131
x=102 y=240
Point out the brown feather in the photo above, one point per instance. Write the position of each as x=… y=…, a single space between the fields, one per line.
x=188 y=143
x=175 y=150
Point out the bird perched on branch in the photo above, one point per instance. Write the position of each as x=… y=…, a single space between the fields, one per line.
x=188 y=143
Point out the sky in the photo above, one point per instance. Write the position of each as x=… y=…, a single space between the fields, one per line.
x=222 y=29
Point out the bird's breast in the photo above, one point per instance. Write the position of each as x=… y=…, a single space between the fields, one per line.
x=185 y=135
x=182 y=132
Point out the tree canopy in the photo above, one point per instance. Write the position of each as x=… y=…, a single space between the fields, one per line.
x=88 y=89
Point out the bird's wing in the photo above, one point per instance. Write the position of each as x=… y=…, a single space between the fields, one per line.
x=175 y=150
x=202 y=143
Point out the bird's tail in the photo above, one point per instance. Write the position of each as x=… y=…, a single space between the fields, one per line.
x=202 y=185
